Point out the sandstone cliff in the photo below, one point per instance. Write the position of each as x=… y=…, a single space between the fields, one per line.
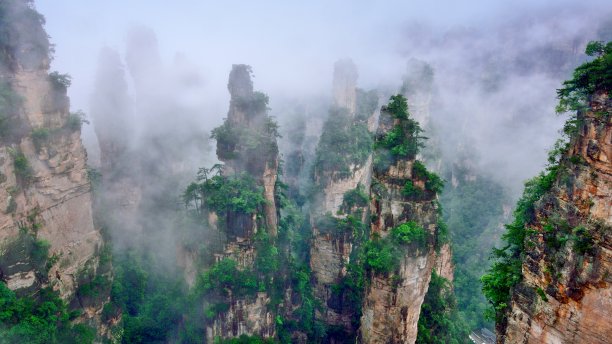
x=47 y=234
x=246 y=143
x=402 y=193
x=336 y=177
x=565 y=295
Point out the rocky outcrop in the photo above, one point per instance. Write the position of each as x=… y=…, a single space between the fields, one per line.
x=47 y=234
x=444 y=263
x=331 y=251
x=246 y=143
x=392 y=301
x=344 y=85
x=246 y=153
x=565 y=294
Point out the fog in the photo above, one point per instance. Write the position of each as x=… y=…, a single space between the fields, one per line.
x=496 y=65
x=152 y=76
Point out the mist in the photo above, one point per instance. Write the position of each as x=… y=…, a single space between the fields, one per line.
x=205 y=191
x=496 y=65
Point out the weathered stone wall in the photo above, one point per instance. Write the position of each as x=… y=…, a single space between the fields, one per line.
x=49 y=198
x=566 y=294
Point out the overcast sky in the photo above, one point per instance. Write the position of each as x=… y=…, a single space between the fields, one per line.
x=286 y=42
x=292 y=46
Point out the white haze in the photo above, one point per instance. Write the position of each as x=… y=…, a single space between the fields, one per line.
x=292 y=47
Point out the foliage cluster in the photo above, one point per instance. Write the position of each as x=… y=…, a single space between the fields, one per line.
x=345 y=144
x=473 y=211
x=39 y=137
x=239 y=193
x=9 y=107
x=76 y=120
x=382 y=255
x=225 y=278
x=257 y=139
x=244 y=339
x=151 y=303
x=60 y=81
x=587 y=78
x=439 y=321
x=23 y=169
x=355 y=198
x=43 y=319
x=433 y=182
x=505 y=271
x=403 y=141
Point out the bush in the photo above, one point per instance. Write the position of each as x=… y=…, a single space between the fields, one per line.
x=439 y=321
x=23 y=169
x=505 y=271
x=433 y=182
x=403 y=141
x=381 y=256
x=76 y=120
x=412 y=191
x=39 y=137
x=9 y=107
x=44 y=319
x=587 y=78
x=60 y=81
x=224 y=276
x=409 y=233
x=238 y=193
x=345 y=143
x=354 y=198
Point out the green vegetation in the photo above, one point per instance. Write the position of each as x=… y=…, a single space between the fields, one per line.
x=221 y=194
x=408 y=233
x=403 y=141
x=382 y=255
x=23 y=169
x=60 y=81
x=433 y=182
x=439 y=321
x=412 y=191
x=473 y=210
x=249 y=142
x=356 y=198
x=40 y=136
x=76 y=120
x=9 y=107
x=505 y=271
x=43 y=319
x=151 y=303
x=244 y=339
x=542 y=294
x=587 y=78
x=345 y=144
x=225 y=277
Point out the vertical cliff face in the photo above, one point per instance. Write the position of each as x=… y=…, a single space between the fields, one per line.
x=47 y=235
x=344 y=85
x=255 y=152
x=246 y=143
x=565 y=295
x=344 y=133
x=404 y=223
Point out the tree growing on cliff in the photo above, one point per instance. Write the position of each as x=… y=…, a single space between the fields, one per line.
x=587 y=78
